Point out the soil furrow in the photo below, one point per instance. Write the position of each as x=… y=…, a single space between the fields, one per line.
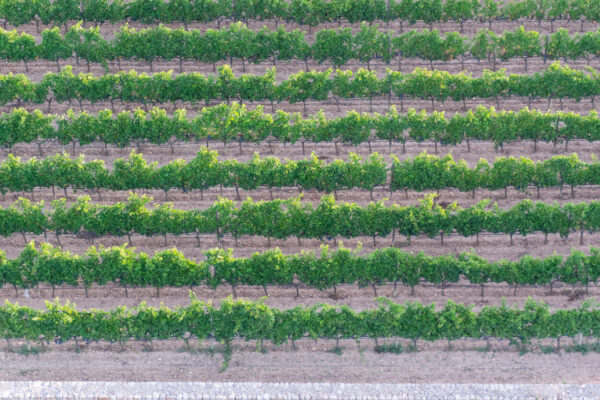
x=35 y=70
x=470 y=27
x=491 y=246
x=162 y=154
x=331 y=108
x=284 y=297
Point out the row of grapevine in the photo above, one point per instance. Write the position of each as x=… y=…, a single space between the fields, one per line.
x=305 y=12
x=122 y=265
x=424 y=172
x=337 y=46
x=235 y=122
x=256 y=321
x=202 y=172
x=282 y=219
x=427 y=172
x=556 y=81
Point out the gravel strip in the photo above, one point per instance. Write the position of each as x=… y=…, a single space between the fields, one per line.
x=298 y=391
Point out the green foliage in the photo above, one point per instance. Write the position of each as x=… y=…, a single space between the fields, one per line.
x=394 y=348
x=284 y=218
x=336 y=46
x=235 y=122
x=304 y=12
x=202 y=172
x=556 y=81
x=256 y=321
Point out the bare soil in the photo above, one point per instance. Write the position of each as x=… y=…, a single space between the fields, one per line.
x=110 y=296
x=490 y=246
x=196 y=199
x=36 y=69
x=469 y=27
x=328 y=151
x=466 y=362
x=330 y=107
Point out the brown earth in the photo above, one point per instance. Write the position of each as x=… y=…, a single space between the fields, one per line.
x=490 y=246
x=110 y=296
x=37 y=69
x=195 y=199
x=469 y=27
x=162 y=154
x=330 y=107
x=467 y=362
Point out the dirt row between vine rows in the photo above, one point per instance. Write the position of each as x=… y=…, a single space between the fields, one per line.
x=35 y=70
x=197 y=200
x=283 y=297
x=163 y=153
x=491 y=246
x=466 y=362
x=329 y=106
x=469 y=27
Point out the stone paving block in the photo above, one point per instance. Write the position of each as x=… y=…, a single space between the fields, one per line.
x=282 y=391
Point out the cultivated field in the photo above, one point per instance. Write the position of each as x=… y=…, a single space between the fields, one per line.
x=487 y=341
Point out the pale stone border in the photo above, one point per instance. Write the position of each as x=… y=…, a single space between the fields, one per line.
x=22 y=390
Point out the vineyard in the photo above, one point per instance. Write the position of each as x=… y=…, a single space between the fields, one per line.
x=336 y=46
x=283 y=189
